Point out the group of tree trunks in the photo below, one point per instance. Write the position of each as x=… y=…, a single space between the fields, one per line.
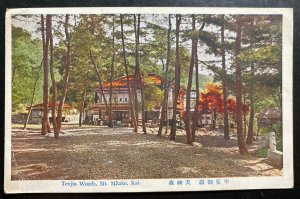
x=136 y=84
x=164 y=110
x=131 y=105
x=177 y=79
x=190 y=132
x=47 y=41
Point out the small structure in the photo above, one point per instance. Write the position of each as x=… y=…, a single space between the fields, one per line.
x=268 y=117
x=274 y=156
x=207 y=118
x=37 y=112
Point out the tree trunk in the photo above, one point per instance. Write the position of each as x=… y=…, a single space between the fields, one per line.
x=138 y=70
x=66 y=74
x=130 y=101
x=135 y=98
x=163 y=103
x=164 y=115
x=167 y=107
x=177 y=80
x=136 y=83
x=110 y=122
x=244 y=115
x=224 y=84
x=45 y=119
x=251 y=117
x=252 y=108
x=197 y=105
x=84 y=96
x=33 y=96
x=174 y=104
x=98 y=73
x=214 y=119
x=239 y=113
x=251 y=98
x=54 y=87
x=187 y=117
x=99 y=80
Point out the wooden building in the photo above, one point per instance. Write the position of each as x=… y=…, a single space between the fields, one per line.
x=268 y=117
x=120 y=101
x=37 y=112
x=97 y=113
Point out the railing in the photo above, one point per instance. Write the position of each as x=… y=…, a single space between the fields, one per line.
x=113 y=103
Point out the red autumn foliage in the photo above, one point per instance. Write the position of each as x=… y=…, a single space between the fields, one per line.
x=212 y=99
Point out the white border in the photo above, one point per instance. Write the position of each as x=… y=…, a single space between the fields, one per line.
x=153 y=185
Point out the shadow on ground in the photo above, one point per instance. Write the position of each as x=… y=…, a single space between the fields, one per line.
x=104 y=153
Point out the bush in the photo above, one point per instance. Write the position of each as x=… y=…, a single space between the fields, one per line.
x=274 y=127
x=279 y=145
x=21 y=108
x=262 y=152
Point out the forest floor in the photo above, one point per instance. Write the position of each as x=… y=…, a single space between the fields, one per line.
x=94 y=152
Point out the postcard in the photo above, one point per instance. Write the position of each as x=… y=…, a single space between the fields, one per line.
x=140 y=99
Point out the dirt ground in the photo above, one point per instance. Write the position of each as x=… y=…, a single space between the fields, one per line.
x=94 y=152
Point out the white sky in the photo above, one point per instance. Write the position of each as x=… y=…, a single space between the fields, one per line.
x=31 y=25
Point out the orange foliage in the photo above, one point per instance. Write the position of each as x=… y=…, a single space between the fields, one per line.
x=122 y=82
x=212 y=99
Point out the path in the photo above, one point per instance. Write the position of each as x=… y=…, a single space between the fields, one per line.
x=103 y=153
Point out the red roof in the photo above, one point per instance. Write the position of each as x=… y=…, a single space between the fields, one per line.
x=122 y=81
x=41 y=106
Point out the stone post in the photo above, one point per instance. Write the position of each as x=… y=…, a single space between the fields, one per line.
x=276 y=157
x=272 y=142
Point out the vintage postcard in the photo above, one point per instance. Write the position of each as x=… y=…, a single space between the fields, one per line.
x=141 y=99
